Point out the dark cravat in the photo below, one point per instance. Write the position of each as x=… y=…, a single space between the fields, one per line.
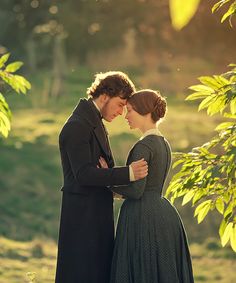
x=107 y=140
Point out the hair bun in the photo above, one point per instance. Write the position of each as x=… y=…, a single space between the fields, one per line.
x=160 y=106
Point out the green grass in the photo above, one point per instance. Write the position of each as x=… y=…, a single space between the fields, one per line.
x=39 y=256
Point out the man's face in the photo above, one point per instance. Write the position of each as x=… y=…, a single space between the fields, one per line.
x=113 y=107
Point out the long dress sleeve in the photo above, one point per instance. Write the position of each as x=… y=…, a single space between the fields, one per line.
x=135 y=189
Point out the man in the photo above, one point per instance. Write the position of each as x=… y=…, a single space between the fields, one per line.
x=86 y=228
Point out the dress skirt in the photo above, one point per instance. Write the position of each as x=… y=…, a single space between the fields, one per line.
x=151 y=244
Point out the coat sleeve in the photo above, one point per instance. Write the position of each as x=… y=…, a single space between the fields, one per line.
x=135 y=189
x=76 y=142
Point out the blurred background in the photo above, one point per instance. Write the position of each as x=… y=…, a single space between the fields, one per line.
x=63 y=43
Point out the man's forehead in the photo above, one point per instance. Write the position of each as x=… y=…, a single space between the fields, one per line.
x=122 y=100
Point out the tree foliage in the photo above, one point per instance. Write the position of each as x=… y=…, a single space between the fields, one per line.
x=28 y=28
x=231 y=10
x=16 y=82
x=207 y=175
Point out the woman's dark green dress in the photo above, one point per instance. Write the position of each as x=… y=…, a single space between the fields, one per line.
x=151 y=244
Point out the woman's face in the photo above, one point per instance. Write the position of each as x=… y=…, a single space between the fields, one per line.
x=134 y=119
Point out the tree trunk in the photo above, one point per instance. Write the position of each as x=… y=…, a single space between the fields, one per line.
x=31 y=52
x=59 y=67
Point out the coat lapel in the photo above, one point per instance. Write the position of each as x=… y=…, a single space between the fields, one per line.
x=100 y=135
x=88 y=111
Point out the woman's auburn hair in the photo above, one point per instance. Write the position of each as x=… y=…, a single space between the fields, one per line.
x=149 y=101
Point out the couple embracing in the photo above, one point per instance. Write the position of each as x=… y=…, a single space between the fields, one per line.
x=150 y=244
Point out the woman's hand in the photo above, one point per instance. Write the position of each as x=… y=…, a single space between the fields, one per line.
x=103 y=163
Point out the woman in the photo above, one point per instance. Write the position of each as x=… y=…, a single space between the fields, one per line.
x=151 y=244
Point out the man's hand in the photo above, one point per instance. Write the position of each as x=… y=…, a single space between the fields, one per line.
x=102 y=162
x=140 y=169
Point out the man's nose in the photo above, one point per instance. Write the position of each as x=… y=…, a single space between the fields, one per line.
x=121 y=111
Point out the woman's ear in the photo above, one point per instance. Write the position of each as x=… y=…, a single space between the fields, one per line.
x=149 y=116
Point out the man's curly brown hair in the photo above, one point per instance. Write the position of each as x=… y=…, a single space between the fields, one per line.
x=113 y=83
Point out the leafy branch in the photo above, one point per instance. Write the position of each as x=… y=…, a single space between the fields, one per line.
x=229 y=13
x=207 y=175
x=18 y=83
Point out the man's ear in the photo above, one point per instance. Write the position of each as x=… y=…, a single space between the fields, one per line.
x=104 y=98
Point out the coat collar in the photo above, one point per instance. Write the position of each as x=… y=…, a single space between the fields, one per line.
x=88 y=111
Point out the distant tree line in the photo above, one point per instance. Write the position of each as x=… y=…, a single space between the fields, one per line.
x=33 y=29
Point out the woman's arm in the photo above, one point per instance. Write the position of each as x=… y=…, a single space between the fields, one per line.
x=135 y=189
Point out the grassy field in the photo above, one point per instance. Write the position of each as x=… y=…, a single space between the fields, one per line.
x=31 y=177
x=211 y=263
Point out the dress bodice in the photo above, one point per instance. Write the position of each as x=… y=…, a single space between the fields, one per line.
x=156 y=151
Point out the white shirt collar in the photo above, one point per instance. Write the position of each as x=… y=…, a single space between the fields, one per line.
x=96 y=105
x=153 y=131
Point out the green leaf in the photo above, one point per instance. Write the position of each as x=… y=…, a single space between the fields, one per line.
x=177 y=163
x=200 y=206
x=5 y=121
x=203 y=150
x=230 y=11
x=13 y=67
x=173 y=187
x=233 y=107
x=188 y=197
x=19 y=83
x=4 y=127
x=4 y=59
x=220 y=205
x=224 y=126
x=221 y=80
x=202 y=88
x=4 y=131
x=181 y=12
x=217 y=106
x=206 y=102
x=229 y=209
x=23 y=81
x=196 y=95
x=226 y=236
x=203 y=212
x=219 y=5
x=229 y=115
x=198 y=195
x=222 y=228
x=210 y=82
x=4 y=108
x=233 y=238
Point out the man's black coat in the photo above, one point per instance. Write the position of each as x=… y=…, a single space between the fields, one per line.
x=86 y=227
